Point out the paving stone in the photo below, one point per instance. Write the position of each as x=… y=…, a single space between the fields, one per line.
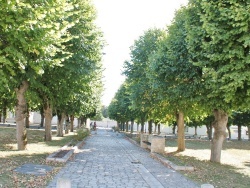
x=34 y=169
x=63 y=183
x=108 y=160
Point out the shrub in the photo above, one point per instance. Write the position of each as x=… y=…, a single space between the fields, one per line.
x=81 y=133
x=116 y=129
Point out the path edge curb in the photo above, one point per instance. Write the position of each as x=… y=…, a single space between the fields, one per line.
x=167 y=163
x=164 y=161
x=66 y=157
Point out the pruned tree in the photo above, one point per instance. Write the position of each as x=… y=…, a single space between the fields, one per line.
x=54 y=49
x=31 y=35
x=174 y=77
x=136 y=71
x=241 y=119
x=218 y=35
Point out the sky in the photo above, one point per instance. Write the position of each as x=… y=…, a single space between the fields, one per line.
x=122 y=22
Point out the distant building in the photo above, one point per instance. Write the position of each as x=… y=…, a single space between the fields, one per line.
x=34 y=118
x=234 y=132
x=105 y=123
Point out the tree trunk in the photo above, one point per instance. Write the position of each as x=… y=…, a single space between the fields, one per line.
x=219 y=125
x=207 y=126
x=123 y=126
x=132 y=126
x=71 y=123
x=229 y=132
x=20 y=109
x=48 y=117
x=126 y=126
x=142 y=125
x=83 y=121
x=67 y=124
x=27 y=118
x=209 y=131
x=60 y=121
x=4 y=110
x=195 y=130
x=42 y=117
x=137 y=127
x=156 y=124
x=174 y=128
x=248 y=132
x=181 y=131
x=150 y=126
x=159 y=128
x=0 y=115
x=78 y=122
x=239 y=132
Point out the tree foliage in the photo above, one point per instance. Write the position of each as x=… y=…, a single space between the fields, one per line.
x=52 y=48
x=120 y=107
x=199 y=67
x=223 y=54
x=137 y=70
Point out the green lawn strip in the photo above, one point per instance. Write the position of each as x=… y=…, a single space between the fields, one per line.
x=36 y=153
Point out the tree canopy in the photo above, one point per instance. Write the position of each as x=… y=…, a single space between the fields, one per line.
x=198 y=66
x=53 y=50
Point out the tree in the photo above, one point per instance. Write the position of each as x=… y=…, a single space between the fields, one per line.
x=241 y=119
x=105 y=111
x=120 y=107
x=221 y=33
x=31 y=35
x=54 y=49
x=194 y=123
x=74 y=87
x=137 y=69
x=174 y=77
x=6 y=101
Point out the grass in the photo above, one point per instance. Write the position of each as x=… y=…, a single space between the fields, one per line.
x=36 y=153
x=234 y=170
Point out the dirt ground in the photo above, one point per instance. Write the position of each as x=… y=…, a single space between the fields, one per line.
x=238 y=157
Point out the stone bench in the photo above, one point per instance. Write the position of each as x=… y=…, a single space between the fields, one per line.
x=153 y=142
x=195 y=136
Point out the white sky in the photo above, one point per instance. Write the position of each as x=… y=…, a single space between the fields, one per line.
x=122 y=22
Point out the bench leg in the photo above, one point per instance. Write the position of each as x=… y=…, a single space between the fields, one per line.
x=144 y=145
x=143 y=138
x=158 y=145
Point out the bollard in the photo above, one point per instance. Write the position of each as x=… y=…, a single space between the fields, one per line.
x=63 y=183
x=207 y=186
